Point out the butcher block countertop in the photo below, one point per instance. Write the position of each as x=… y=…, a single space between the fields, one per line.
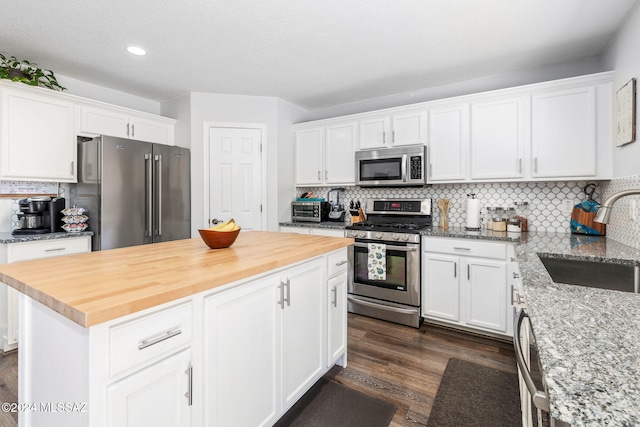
x=96 y=287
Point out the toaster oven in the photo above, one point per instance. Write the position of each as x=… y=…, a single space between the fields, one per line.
x=312 y=211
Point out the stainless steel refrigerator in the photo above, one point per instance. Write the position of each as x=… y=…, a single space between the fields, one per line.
x=135 y=192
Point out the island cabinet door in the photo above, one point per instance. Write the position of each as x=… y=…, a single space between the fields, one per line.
x=337 y=319
x=156 y=396
x=303 y=328
x=240 y=357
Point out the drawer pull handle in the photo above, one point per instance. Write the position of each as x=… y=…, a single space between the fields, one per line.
x=334 y=293
x=343 y=262
x=458 y=248
x=164 y=336
x=54 y=249
x=189 y=393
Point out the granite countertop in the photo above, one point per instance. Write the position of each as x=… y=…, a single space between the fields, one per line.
x=588 y=339
x=337 y=225
x=7 y=237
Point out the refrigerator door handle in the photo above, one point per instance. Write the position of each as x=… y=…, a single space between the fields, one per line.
x=149 y=196
x=158 y=159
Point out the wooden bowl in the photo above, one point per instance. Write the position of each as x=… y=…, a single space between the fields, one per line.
x=219 y=239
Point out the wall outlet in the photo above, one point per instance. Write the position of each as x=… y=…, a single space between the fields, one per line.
x=567 y=206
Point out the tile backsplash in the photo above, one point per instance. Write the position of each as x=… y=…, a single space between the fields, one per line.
x=545 y=199
x=621 y=227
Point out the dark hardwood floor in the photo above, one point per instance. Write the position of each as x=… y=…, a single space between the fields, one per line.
x=8 y=387
x=404 y=365
x=396 y=363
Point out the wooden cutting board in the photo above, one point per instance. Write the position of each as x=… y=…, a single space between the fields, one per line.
x=586 y=218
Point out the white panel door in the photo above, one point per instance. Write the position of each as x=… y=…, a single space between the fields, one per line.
x=441 y=286
x=339 y=154
x=235 y=176
x=497 y=139
x=486 y=286
x=448 y=139
x=563 y=133
x=309 y=169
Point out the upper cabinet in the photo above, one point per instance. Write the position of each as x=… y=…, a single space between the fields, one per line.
x=325 y=155
x=383 y=131
x=37 y=137
x=448 y=140
x=564 y=133
x=498 y=138
x=126 y=124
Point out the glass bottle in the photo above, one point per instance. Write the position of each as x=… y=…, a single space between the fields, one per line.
x=522 y=211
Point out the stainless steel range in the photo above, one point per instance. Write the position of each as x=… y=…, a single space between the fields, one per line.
x=384 y=261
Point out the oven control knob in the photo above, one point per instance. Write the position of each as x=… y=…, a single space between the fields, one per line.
x=362 y=234
x=405 y=237
x=395 y=236
x=378 y=235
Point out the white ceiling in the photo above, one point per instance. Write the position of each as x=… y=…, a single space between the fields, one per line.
x=313 y=53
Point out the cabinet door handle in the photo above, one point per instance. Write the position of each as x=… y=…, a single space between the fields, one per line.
x=164 y=336
x=520 y=165
x=458 y=248
x=288 y=285
x=128 y=129
x=54 y=249
x=535 y=164
x=71 y=168
x=334 y=300
x=455 y=269
x=468 y=272
x=343 y=262
x=189 y=393
x=319 y=175
x=133 y=130
x=384 y=137
x=281 y=301
x=393 y=136
x=516 y=275
x=326 y=175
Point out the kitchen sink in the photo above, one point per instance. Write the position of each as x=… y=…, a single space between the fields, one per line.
x=593 y=274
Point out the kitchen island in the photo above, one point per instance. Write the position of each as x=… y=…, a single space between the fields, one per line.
x=588 y=339
x=178 y=334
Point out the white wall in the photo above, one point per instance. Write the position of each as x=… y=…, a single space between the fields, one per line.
x=210 y=107
x=623 y=56
x=104 y=94
x=500 y=81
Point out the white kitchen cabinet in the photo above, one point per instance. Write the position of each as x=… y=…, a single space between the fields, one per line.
x=447 y=144
x=126 y=123
x=325 y=155
x=498 y=138
x=337 y=308
x=331 y=232
x=465 y=284
x=296 y=230
x=393 y=130
x=37 y=137
x=24 y=251
x=242 y=355
x=267 y=345
x=564 y=133
x=441 y=293
x=303 y=296
x=163 y=386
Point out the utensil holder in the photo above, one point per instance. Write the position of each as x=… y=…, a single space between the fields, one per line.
x=443 y=222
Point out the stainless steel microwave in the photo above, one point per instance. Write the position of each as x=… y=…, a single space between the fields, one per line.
x=315 y=211
x=392 y=167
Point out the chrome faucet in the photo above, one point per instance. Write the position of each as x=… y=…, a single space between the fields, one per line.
x=604 y=212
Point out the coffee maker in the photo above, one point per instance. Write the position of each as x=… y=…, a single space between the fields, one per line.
x=40 y=215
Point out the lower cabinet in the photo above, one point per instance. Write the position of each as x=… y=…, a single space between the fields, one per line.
x=24 y=251
x=465 y=284
x=316 y=231
x=163 y=386
x=240 y=355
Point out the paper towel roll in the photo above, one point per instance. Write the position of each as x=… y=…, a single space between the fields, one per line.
x=473 y=214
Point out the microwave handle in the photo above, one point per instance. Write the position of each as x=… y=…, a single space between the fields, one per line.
x=404 y=168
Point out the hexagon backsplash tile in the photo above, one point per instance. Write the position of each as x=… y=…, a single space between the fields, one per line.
x=621 y=227
x=545 y=199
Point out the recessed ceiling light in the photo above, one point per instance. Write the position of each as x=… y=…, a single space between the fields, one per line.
x=136 y=50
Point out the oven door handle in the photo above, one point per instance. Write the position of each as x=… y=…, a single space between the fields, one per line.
x=380 y=306
x=395 y=248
